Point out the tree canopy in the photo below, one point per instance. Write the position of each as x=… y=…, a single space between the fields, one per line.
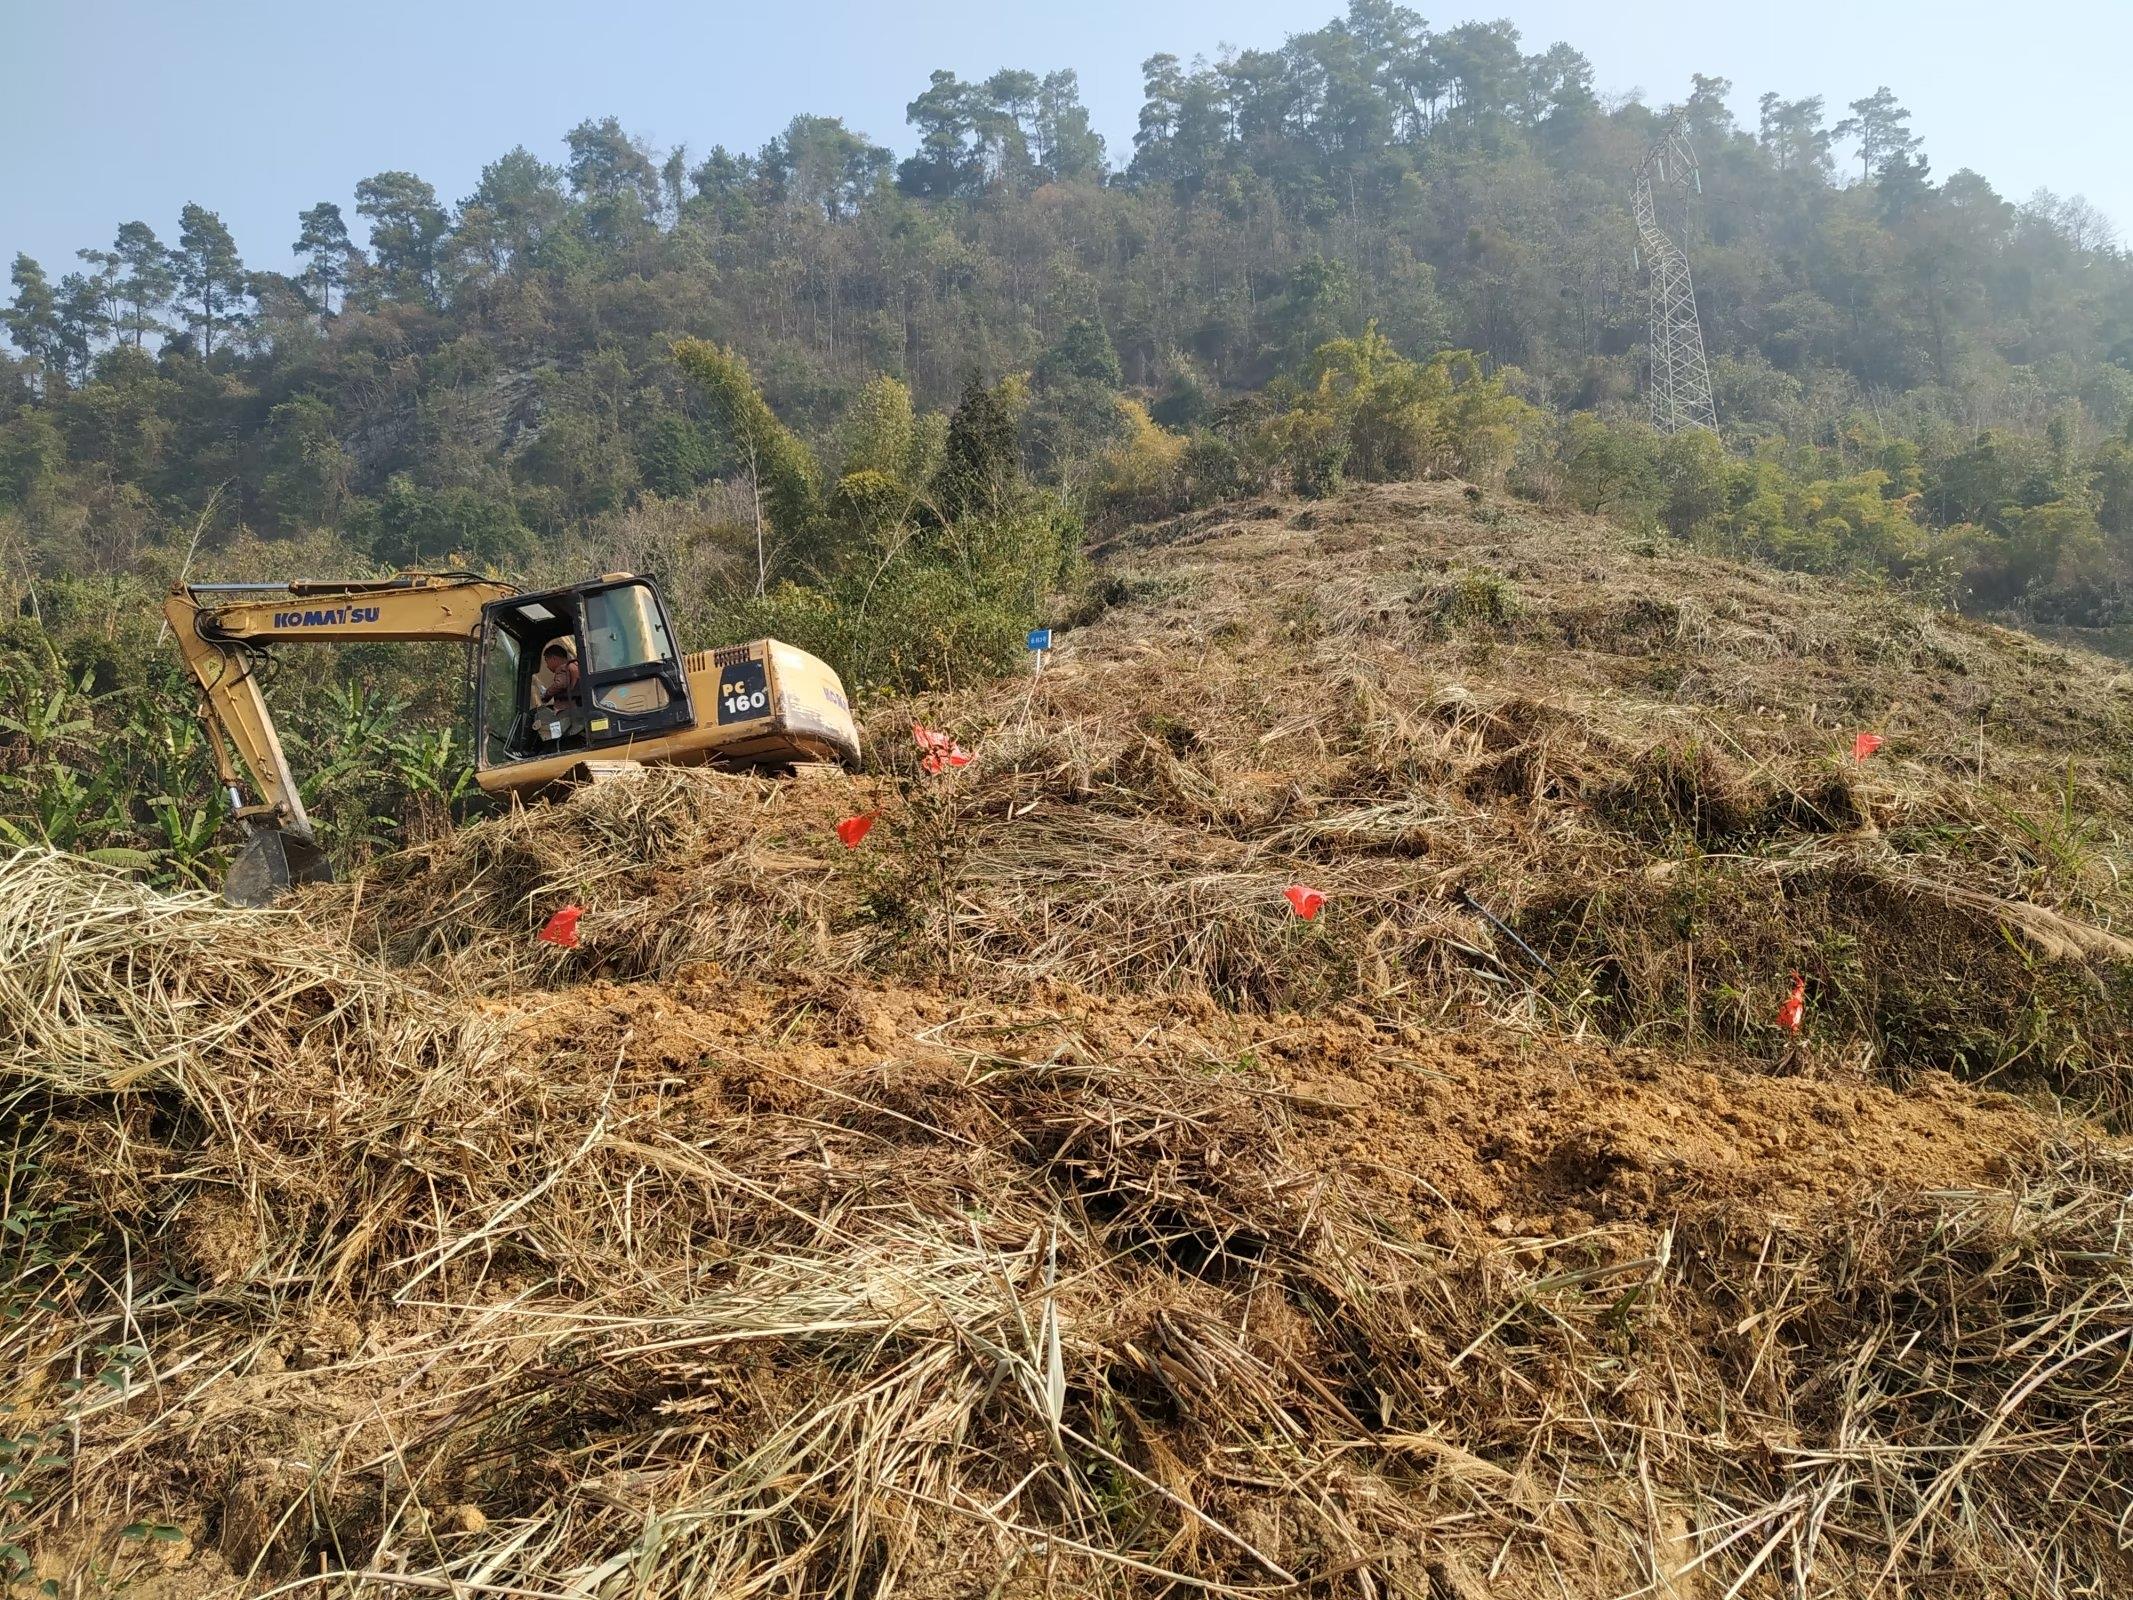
x=1371 y=192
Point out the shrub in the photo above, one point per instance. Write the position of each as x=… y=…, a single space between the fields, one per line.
x=943 y=612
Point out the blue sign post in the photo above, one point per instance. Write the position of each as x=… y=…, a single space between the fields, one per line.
x=1040 y=640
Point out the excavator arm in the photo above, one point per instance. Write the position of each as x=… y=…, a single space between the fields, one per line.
x=224 y=632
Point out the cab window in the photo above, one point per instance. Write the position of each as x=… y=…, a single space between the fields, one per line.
x=502 y=697
x=623 y=628
x=628 y=655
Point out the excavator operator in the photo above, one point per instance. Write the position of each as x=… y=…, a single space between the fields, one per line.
x=560 y=662
x=556 y=692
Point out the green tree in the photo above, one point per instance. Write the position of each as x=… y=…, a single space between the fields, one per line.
x=585 y=463
x=949 y=161
x=149 y=280
x=785 y=485
x=406 y=227
x=675 y=454
x=516 y=209
x=1184 y=122
x=84 y=320
x=109 y=270
x=32 y=316
x=308 y=473
x=1066 y=147
x=1483 y=68
x=1694 y=480
x=211 y=276
x=1997 y=472
x=880 y=434
x=616 y=179
x=31 y=455
x=820 y=164
x=1883 y=130
x=1612 y=472
x=330 y=258
x=887 y=454
x=726 y=186
x=981 y=463
x=1083 y=350
x=411 y=526
x=2113 y=482
x=1318 y=306
x=1792 y=134
x=2057 y=544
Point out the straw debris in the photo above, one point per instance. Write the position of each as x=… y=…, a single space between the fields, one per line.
x=1025 y=1203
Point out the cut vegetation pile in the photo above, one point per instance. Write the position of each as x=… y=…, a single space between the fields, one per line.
x=1025 y=1203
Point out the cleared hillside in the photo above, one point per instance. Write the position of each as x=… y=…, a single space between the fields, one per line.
x=1027 y=1202
x=1640 y=759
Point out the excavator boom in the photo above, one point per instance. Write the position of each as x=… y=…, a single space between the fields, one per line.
x=414 y=606
x=223 y=631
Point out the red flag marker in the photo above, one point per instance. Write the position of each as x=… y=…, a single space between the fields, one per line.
x=940 y=750
x=1304 y=900
x=853 y=829
x=1865 y=745
x=562 y=928
x=1794 y=1011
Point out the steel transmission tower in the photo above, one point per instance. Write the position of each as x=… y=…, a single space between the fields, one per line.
x=1681 y=382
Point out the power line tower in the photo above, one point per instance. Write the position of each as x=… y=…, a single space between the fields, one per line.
x=1681 y=382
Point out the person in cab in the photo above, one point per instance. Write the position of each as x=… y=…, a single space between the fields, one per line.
x=558 y=685
x=558 y=703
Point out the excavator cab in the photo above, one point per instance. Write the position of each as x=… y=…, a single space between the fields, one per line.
x=631 y=683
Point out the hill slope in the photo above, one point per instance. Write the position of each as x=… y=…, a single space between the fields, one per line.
x=1026 y=1202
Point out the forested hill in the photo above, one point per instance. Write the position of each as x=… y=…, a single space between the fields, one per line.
x=1913 y=373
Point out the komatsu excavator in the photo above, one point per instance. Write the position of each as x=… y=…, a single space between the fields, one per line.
x=630 y=698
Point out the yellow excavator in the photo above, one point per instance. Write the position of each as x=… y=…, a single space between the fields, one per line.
x=624 y=696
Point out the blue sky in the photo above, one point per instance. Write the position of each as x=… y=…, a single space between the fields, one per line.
x=117 y=109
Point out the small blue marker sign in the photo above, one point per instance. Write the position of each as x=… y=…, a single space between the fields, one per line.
x=1040 y=638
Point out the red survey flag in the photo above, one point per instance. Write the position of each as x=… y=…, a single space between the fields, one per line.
x=1865 y=745
x=1794 y=1011
x=1304 y=900
x=853 y=829
x=940 y=751
x=562 y=928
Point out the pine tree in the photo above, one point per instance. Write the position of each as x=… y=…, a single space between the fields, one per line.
x=1883 y=129
x=406 y=225
x=211 y=278
x=1067 y=147
x=83 y=322
x=148 y=283
x=329 y=257
x=981 y=464
x=32 y=317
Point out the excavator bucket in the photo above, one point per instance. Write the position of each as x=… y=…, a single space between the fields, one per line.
x=273 y=861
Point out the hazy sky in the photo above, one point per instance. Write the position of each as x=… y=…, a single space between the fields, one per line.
x=119 y=109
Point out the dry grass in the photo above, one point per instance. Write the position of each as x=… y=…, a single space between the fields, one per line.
x=1016 y=1304
x=1654 y=795
x=1027 y=1204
